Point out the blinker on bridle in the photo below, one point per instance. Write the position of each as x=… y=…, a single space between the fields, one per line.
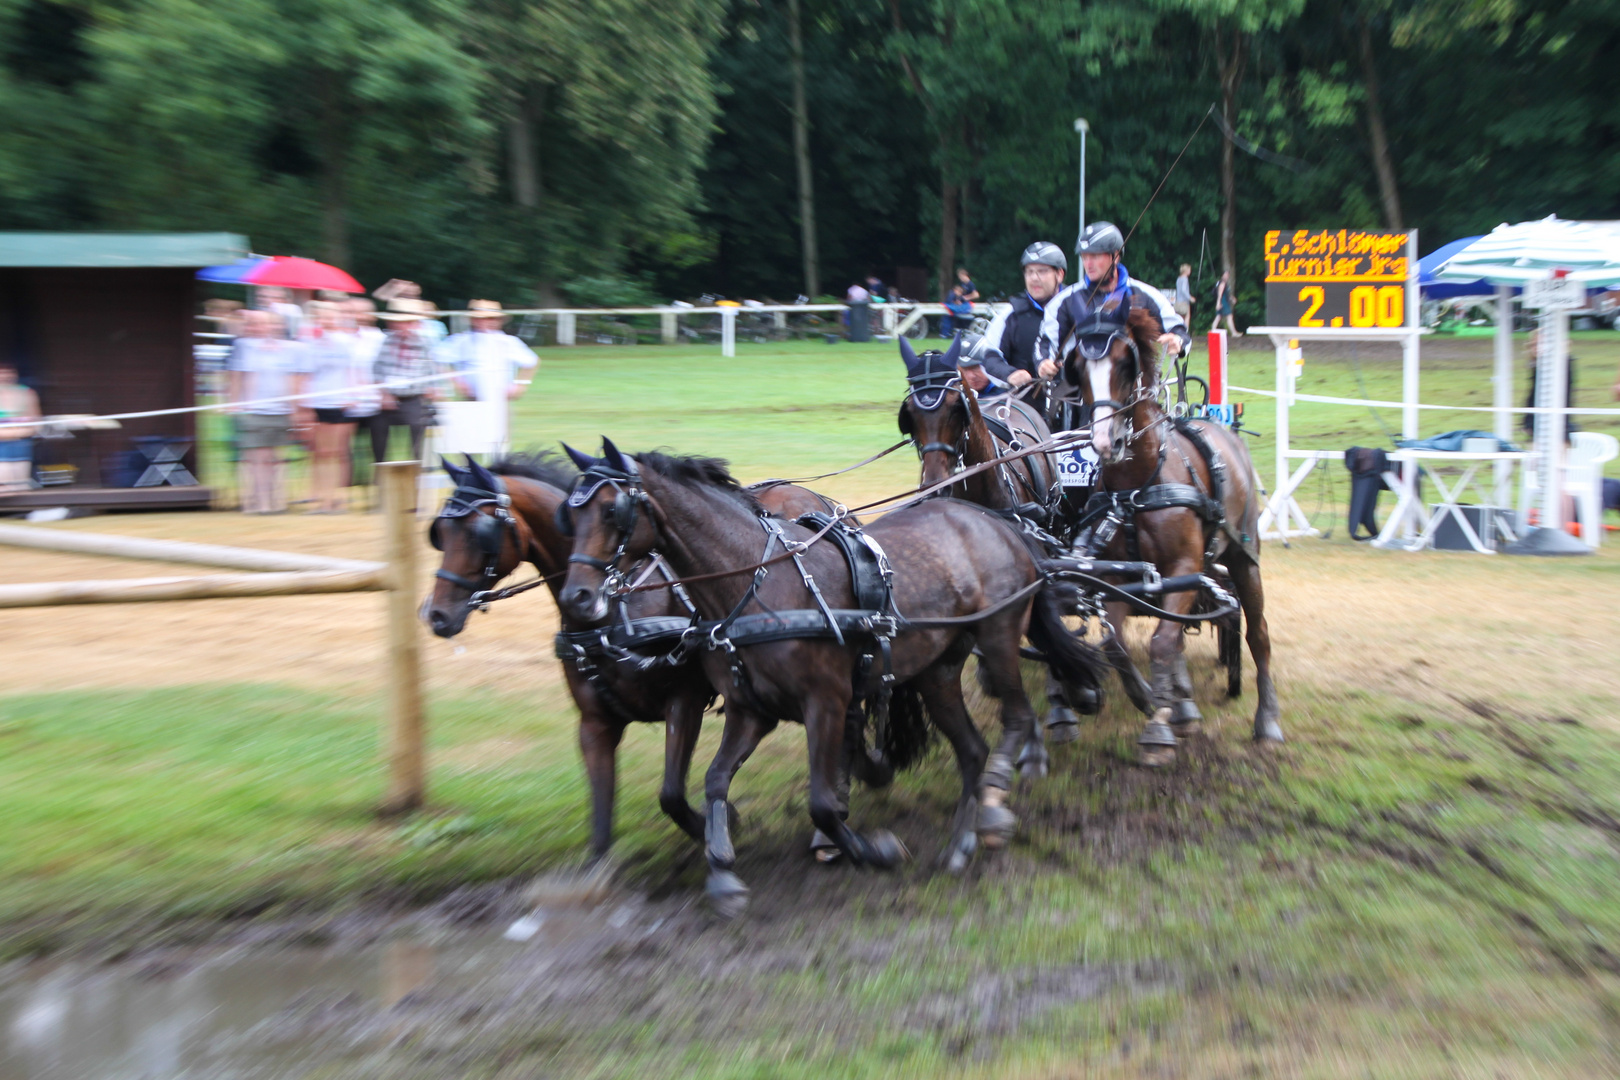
x=489 y=531
x=627 y=495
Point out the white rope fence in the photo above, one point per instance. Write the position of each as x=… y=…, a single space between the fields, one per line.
x=1323 y=400
x=229 y=406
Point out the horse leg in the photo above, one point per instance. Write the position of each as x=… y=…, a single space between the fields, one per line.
x=824 y=732
x=599 y=745
x=998 y=644
x=1062 y=725
x=1157 y=741
x=742 y=733
x=683 y=719
x=1246 y=579
x=941 y=690
x=856 y=763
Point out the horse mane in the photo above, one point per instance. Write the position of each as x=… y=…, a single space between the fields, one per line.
x=546 y=466
x=698 y=472
x=1145 y=327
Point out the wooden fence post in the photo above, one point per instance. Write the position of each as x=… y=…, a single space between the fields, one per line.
x=406 y=727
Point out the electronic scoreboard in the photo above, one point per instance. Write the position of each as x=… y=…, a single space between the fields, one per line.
x=1343 y=278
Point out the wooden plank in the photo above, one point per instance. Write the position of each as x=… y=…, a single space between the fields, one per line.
x=176 y=551
x=406 y=728
x=203 y=587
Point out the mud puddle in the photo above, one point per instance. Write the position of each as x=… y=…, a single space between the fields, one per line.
x=263 y=1011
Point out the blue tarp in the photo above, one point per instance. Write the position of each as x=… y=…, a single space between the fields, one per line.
x=1445 y=290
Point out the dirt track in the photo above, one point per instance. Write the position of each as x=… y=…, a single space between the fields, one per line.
x=1430 y=627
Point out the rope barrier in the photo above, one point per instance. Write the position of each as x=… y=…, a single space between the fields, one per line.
x=392 y=384
x=1320 y=399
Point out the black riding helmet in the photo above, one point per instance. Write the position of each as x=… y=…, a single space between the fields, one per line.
x=1101 y=238
x=1045 y=254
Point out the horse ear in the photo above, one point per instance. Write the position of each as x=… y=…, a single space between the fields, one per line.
x=581 y=461
x=913 y=365
x=483 y=476
x=451 y=470
x=613 y=456
x=954 y=351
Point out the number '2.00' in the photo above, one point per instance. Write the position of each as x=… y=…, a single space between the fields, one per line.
x=1369 y=305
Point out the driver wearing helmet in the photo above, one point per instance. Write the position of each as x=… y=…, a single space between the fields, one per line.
x=1102 y=277
x=1005 y=356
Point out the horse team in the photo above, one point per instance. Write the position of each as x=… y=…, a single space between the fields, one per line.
x=677 y=584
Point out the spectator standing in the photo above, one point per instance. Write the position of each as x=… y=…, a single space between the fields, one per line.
x=17 y=402
x=961 y=312
x=1223 y=304
x=264 y=365
x=277 y=301
x=330 y=344
x=406 y=358
x=970 y=291
x=1183 y=299
x=489 y=363
x=366 y=408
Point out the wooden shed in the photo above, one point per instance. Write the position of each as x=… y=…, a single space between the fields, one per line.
x=103 y=323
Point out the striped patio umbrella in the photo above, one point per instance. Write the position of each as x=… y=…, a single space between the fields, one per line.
x=1532 y=250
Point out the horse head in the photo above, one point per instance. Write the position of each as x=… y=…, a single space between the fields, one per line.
x=607 y=518
x=482 y=540
x=1115 y=363
x=932 y=412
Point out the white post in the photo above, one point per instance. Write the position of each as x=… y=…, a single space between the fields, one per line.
x=728 y=331
x=1502 y=383
x=666 y=323
x=565 y=328
x=1284 y=392
x=1552 y=392
x=891 y=315
x=1409 y=347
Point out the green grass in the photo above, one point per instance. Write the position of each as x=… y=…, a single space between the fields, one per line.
x=1419 y=884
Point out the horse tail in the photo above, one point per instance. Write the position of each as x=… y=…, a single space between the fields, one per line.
x=906 y=735
x=1072 y=660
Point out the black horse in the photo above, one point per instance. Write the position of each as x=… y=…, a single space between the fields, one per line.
x=499 y=518
x=956 y=575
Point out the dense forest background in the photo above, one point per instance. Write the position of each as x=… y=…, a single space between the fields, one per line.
x=606 y=151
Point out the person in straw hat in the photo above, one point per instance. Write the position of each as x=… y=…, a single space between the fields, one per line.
x=404 y=359
x=491 y=365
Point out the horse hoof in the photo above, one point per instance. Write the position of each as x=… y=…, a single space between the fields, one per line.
x=1032 y=761
x=1185 y=718
x=1061 y=725
x=822 y=847
x=1085 y=699
x=1267 y=731
x=727 y=894
x=887 y=850
x=996 y=826
x=961 y=853
x=1158 y=757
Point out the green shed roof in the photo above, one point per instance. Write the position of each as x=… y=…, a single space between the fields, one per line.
x=121 y=249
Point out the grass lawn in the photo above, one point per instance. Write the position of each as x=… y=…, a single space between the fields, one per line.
x=1420 y=883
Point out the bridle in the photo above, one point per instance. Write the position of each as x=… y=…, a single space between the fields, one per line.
x=927 y=391
x=489 y=531
x=628 y=497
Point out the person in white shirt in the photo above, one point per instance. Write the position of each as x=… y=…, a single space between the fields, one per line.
x=491 y=365
x=331 y=345
x=264 y=364
x=366 y=408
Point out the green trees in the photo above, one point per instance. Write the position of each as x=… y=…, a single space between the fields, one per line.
x=513 y=147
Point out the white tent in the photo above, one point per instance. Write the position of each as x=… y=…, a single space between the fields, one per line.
x=1584 y=253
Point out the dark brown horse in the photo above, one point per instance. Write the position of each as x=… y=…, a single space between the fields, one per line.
x=958 y=575
x=946 y=421
x=482 y=546
x=1182 y=497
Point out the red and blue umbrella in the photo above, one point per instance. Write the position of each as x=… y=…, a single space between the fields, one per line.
x=287 y=271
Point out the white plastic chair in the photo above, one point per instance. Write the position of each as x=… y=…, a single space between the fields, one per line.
x=1588 y=452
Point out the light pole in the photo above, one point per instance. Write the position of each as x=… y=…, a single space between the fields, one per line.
x=1082 y=127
